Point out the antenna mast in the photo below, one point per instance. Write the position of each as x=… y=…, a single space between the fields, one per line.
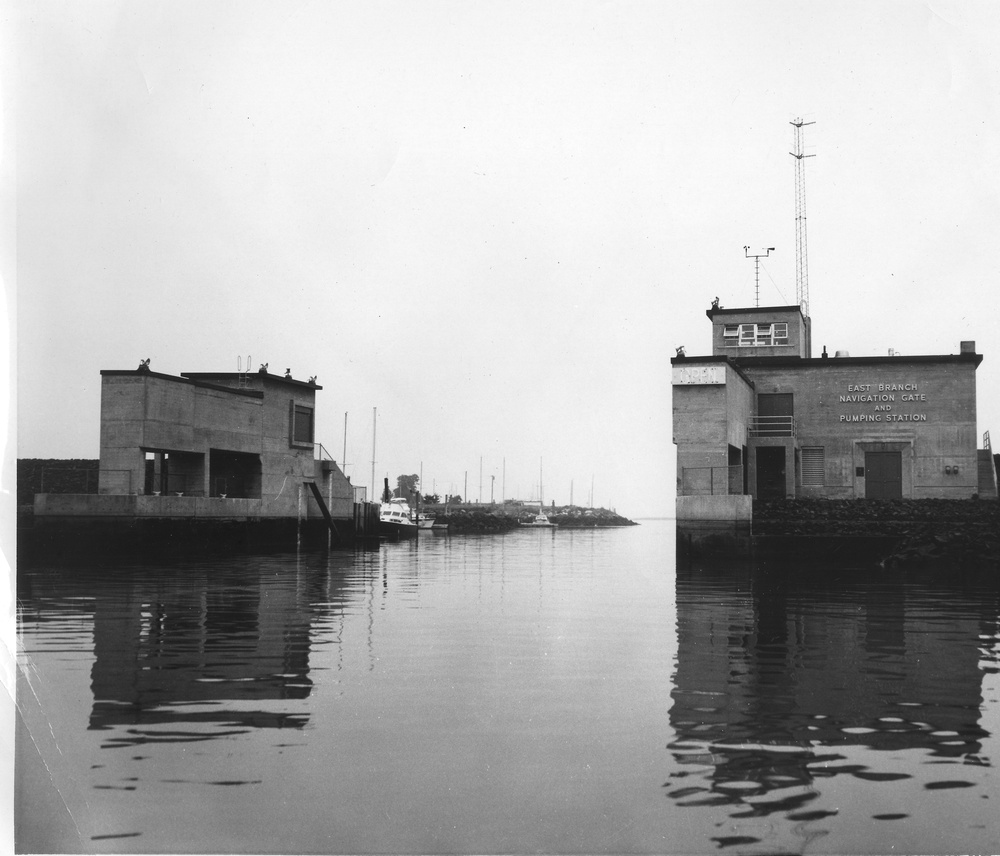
x=801 y=251
x=756 y=270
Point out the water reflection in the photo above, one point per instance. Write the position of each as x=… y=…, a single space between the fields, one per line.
x=202 y=652
x=782 y=671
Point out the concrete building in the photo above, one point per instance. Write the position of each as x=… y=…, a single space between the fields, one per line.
x=236 y=446
x=761 y=418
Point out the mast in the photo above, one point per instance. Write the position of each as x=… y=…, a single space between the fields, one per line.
x=801 y=250
x=541 y=505
x=374 y=414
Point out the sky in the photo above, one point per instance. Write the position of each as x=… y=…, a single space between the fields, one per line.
x=493 y=222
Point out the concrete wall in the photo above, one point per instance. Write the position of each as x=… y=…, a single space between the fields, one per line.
x=799 y=343
x=106 y=505
x=700 y=429
x=712 y=405
x=740 y=405
x=146 y=411
x=726 y=509
x=933 y=423
x=336 y=489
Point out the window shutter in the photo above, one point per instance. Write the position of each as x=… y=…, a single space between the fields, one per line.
x=813 y=466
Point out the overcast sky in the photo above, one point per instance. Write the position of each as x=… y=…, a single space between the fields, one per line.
x=493 y=221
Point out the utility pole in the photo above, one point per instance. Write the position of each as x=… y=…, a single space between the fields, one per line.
x=801 y=249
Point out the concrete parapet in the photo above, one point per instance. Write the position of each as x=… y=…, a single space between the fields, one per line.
x=85 y=505
x=112 y=505
x=736 y=508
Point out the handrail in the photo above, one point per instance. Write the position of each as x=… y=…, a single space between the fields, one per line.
x=772 y=426
x=321 y=450
x=986 y=441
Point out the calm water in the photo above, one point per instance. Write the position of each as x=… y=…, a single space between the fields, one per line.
x=534 y=692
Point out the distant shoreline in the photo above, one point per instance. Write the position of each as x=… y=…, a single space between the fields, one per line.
x=475 y=517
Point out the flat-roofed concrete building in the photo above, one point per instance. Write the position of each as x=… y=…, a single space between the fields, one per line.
x=206 y=445
x=762 y=417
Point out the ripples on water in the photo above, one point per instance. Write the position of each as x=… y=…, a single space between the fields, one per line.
x=534 y=692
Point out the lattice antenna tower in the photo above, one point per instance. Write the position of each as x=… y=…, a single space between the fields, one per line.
x=756 y=270
x=801 y=247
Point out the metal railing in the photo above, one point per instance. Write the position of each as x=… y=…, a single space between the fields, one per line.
x=986 y=441
x=712 y=481
x=116 y=481
x=69 y=480
x=320 y=451
x=772 y=426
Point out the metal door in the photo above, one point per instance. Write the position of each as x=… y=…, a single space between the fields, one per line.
x=883 y=475
x=770 y=472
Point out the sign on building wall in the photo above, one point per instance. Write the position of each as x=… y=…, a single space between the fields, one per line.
x=692 y=375
x=883 y=402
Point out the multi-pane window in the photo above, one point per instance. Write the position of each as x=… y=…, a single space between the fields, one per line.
x=755 y=335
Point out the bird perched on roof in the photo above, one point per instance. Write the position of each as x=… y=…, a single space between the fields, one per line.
x=262 y=369
x=143 y=365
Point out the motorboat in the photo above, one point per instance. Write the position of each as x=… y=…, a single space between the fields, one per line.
x=396 y=519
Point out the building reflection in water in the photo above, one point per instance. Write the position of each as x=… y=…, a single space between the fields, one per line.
x=198 y=653
x=778 y=668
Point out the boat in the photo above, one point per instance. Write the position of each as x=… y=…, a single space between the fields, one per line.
x=540 y=520
x=425 y=521
x=396 y=519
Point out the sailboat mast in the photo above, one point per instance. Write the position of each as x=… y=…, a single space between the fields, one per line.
x=374 y=414
x=541 y=504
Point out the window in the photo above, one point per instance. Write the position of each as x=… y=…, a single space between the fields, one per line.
x=813 y=466
x=755 y=335
x=302 y=424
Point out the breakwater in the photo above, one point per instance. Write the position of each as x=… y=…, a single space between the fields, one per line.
x=503 y=518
